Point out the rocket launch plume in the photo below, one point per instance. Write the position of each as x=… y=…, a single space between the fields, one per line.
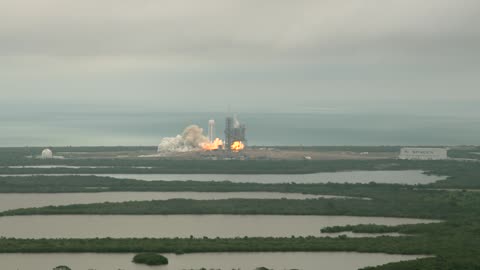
x=191 y=139
x=237 y=146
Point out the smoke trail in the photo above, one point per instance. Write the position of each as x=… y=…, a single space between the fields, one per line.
x=236 y=123
x=191 y=139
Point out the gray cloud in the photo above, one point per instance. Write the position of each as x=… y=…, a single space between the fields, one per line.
x=318 y=49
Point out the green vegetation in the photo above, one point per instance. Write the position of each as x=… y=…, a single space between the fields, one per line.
x=374 y=228
x=461 y=174
x=454 y=243
x=451 y=243
x=164 y=166
x=386 y=199
x=468 y=152
x=365 y=228
x=150 y=259
x=60 y=184
x=396 y=203
x=391 y=245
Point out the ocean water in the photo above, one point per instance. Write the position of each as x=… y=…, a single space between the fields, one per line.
x=75 y=128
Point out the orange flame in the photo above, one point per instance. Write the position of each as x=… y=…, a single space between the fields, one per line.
x=237 y=146
x=215 y=145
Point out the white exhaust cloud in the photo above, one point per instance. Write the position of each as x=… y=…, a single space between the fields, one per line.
x=191 y=139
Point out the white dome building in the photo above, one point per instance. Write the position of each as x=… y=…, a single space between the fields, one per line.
x=47 y=154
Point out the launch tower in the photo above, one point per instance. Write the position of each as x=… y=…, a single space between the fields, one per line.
x=234 y=133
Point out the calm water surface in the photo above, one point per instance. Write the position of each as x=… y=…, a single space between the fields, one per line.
x=10 y=201
x=158 y=226
x=224 y=261
x=401 y=177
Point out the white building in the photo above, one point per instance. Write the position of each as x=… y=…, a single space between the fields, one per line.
x=47 y=154
x=423 y=153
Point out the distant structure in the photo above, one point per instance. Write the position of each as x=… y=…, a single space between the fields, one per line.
x=47 y=154
x=234 y=133
x=62 y=267
x=211 y=130
x=423 y=153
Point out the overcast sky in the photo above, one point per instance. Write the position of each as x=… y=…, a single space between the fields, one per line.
x=193 y=55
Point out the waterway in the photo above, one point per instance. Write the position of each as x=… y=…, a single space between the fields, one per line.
x=170 y=226
x=410 y=177
x=223 y=261
x=9 y=201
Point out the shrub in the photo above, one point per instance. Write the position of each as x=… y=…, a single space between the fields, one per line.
x=150 y=259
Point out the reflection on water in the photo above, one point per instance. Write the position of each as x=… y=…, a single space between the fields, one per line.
x=10 y=201
x=224 y=261
x=158 y=226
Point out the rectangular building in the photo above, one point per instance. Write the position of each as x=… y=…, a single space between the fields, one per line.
x=423 y=153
